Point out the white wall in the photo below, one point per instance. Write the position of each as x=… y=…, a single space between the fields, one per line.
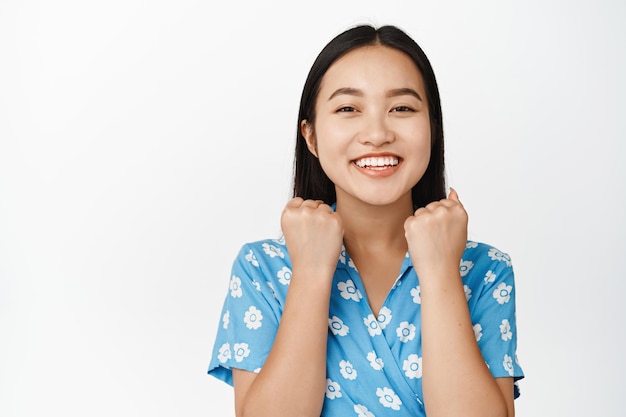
x=142 y=142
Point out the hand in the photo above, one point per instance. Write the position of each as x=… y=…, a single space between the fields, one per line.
x=437 y=235
x=313 y=234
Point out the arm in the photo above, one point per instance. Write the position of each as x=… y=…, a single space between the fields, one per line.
x=456 y=380
x=293 y=379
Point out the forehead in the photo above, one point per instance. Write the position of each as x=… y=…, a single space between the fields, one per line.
x=373 y=68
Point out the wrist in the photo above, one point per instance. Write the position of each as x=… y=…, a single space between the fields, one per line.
x=317 y=278
x=438 y=274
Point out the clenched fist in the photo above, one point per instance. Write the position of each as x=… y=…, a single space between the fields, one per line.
x=436 y=236
x=313 y=234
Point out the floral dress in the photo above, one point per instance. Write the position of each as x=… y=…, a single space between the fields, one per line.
x=374 y=363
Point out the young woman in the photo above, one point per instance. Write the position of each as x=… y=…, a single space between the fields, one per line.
x=373 y=303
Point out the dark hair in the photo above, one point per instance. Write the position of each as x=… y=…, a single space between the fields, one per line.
x=310 y=181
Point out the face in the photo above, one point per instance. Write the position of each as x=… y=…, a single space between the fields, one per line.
x=372 y=128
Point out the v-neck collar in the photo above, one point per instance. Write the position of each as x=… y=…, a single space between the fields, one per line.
x=346 y=263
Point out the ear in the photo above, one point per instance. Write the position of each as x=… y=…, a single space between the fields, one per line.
x=306 y=129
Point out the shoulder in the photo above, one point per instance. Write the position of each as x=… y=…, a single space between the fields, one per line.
x=266 y=264
x=485 y=253
x=266 y=250
x=486 y=264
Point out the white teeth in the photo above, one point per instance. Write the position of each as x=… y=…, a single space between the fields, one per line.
x=377 y=161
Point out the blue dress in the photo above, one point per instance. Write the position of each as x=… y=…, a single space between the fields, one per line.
x=374 y=363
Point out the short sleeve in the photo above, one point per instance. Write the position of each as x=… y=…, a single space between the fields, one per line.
x=249 y=318
x=492 y=308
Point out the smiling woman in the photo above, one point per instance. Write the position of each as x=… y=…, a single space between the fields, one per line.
x=373 y=299
x=374 y=114
x=142 y=143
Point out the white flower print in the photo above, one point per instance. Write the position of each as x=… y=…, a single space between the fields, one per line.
x=502 y=294
x=417 y=295
x=362 y=411
x=241 y=351
x=490 y=277
x=251 y=257
x=505 y=330
x=373 y=327
x=471 y=245
x=375 y=361
x=235 y=287
x=257 y=285
x=224 y=353
x=351 y=264
x=347 y=370
x=284 y=275
x=496 y=255
x=384 y=317
x=507 y=363
x=478 y=331
x=468 y=292
x=333 y=389
x=269 y=284
x=272 y=251
x=343 y=255
x=412 y=366
x=337 y=327
x=253 y=318
x=465 y=267
x=349 y=291
x=405 y=331
x=226 y=319
x=388 y=398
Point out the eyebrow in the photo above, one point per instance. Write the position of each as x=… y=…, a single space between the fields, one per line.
x=396 y=92
x=347 y=91
x=404 y=92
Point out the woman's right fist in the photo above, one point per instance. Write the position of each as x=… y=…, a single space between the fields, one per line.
x=313 y=234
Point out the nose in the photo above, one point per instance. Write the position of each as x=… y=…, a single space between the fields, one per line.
x=376 y=132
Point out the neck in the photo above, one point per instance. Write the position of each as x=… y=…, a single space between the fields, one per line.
x=371 y=228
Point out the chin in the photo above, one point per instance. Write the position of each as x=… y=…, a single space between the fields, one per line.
x=379 y=201
x=377 y=196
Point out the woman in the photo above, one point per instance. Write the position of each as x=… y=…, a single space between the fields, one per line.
x=373 y=303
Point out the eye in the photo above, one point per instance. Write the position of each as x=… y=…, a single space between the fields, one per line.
x=346 y=109
x=402 y=109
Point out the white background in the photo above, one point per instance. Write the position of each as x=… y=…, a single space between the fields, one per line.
x=143 y=142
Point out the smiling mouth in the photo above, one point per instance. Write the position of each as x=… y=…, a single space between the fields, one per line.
x=378 y=162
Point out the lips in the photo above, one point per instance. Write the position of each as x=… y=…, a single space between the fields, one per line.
x=377 y=162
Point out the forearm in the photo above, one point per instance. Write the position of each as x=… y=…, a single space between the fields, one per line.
x=456 y=380
x=292 y=381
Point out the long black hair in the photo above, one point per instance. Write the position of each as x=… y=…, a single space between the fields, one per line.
x=310 y=181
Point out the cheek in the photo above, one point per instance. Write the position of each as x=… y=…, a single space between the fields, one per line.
x=331 y=140
x=420 y=135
